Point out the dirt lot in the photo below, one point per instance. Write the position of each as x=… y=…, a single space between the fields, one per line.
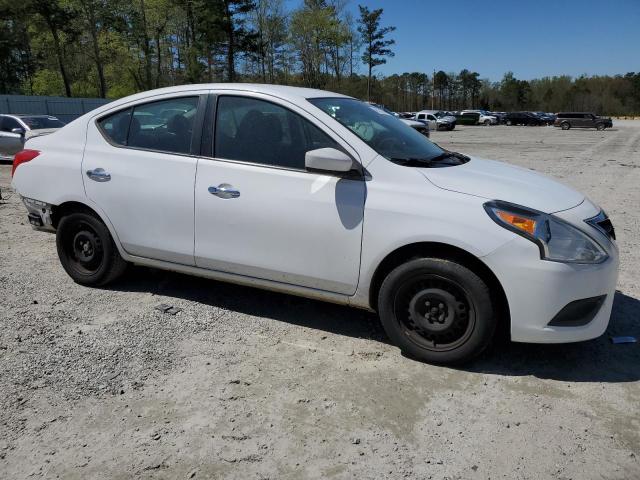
x=95 y=383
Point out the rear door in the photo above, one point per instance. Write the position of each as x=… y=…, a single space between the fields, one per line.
x=259 y=213
x=139 y=167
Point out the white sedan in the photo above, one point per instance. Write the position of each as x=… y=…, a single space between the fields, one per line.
x=317 y=194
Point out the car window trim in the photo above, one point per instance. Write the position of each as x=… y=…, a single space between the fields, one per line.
x=194 y=148
x=208 y=146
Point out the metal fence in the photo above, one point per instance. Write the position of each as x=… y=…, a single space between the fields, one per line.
x=66 y=109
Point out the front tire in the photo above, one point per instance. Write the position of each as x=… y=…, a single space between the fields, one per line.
x=509 y=123
x=437 y=311
x=87 y=251
x=487 y=123
x=565 y=125
x=600 y=127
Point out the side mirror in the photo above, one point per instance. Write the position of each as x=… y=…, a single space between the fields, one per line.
x=328 y=159
x=20 y=131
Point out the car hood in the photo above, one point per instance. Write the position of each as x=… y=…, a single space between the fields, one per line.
x=500 y=181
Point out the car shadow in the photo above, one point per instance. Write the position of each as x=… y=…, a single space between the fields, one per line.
x=597 y=360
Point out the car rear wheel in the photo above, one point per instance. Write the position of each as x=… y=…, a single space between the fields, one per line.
x=437 y=311
x=565 y=125
x=87 y=251
x=600 y=126
x=487 y=123
x=509 y=123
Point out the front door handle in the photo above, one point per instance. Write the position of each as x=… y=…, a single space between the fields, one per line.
x=99 y=175
x=224 y=190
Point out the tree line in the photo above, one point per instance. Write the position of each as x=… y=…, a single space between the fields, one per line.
x=112 y=48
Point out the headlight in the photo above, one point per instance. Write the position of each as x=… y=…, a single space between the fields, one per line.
x=558 y=240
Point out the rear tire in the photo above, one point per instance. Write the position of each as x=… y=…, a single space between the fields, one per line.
x=565 y=125
x=487 y=123
x=437 y=311
x=600 y=127
x=87 y=251
x=509 y=123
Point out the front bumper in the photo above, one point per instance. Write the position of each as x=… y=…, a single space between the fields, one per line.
x=538 y=290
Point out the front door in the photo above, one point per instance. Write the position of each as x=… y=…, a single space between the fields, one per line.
x=139 y=167
x=259 y=213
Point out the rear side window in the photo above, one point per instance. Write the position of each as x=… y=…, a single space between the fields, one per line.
x=258 y=131
x=165 y=125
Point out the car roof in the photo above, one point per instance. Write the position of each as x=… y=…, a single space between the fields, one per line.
x=293 y=94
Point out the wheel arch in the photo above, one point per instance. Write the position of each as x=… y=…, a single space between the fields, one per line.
x=75 y=206
x=448 y=252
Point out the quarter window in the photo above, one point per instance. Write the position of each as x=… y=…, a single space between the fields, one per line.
x=257 y=131
x=165 y=125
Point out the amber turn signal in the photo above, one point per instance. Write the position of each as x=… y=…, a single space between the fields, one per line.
x=522 y=223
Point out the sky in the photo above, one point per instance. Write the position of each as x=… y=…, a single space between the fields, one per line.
x=531 y=38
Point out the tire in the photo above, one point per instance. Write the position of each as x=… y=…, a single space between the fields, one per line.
x=487 y=123
x=87 y=251
x=565 y=125
x=458 y=326
x=509 y=123
x=600 y=127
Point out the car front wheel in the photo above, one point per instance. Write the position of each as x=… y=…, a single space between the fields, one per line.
x=87 y=251
x=565 y=125
x=600 y=126
x=437 y=310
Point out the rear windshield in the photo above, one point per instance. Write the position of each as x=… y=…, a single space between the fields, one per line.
x=40 y=123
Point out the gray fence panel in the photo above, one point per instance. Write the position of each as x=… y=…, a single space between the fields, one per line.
x=66 y=109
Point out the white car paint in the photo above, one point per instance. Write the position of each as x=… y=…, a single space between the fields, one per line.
x=312 y=233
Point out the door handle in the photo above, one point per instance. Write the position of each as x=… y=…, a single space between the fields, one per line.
x=99 y=175
x=224 y=190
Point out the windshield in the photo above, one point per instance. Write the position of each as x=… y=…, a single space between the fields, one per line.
x=387 y=135
x=40 y=123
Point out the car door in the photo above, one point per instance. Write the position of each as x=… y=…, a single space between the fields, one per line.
x=139 y=167
x=433 y=122
x=10 y=142
x=260 y=214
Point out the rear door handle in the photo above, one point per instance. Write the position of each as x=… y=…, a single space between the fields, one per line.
x=224 y=190
x=99 y=175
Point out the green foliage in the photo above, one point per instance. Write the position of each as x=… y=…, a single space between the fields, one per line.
x=114 y=48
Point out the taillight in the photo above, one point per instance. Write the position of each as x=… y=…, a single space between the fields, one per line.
x=23 y=156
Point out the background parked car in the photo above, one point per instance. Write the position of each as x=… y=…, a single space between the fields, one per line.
x=419 y=126
x=547 y=118
x=486 y=118
x=443 y=121
x=468 y=118
x=523 y=118
x=567 y=120
x=15 y=129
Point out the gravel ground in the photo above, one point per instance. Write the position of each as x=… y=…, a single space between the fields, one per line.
x=248 y=384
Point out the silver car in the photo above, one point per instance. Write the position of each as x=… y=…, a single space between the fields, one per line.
x=15 y=129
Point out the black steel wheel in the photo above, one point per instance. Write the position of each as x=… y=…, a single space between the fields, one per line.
x=437 y=310
x=87 y=251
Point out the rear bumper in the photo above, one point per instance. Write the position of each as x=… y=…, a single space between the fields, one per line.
x=540 y=292
x=39 y=214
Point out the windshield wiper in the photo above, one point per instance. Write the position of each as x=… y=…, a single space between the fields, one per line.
x=448 y=154
x=411 y=162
